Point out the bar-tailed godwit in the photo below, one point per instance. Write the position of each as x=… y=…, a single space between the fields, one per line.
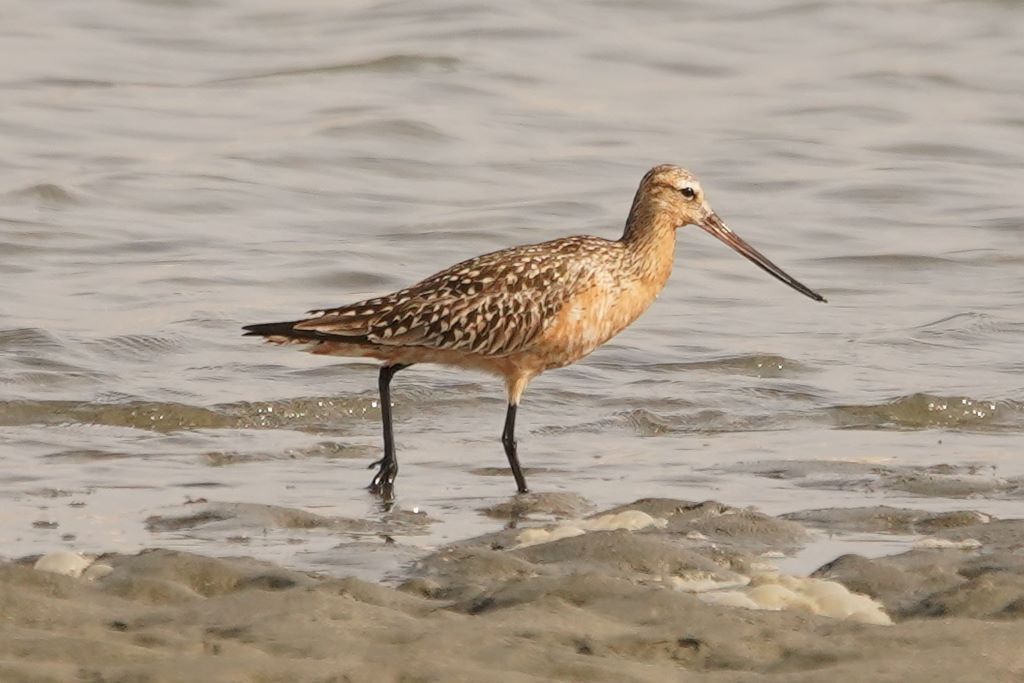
x=520 y=311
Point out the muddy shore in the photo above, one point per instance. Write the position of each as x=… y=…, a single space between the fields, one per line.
x=651 y=591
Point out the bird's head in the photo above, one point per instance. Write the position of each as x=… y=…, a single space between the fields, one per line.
x=672 y=195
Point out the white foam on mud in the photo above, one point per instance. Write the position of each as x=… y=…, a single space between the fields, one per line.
x=772 y=591
x=729 y=598
x=97 y=571
x=63 y=562
x=944 y=543
x=629 y=520
x=537 y=536
x=708 y=583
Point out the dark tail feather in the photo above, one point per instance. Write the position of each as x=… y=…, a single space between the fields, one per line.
x=278 y=330
x=289 y=331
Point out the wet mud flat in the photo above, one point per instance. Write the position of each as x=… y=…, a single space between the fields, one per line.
x=655 y=590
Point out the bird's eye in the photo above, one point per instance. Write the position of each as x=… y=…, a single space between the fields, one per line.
x=687 y=192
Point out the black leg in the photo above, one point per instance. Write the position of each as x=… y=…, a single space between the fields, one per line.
x=508 y=440
x=383 y=483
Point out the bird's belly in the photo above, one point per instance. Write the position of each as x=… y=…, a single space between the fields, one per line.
x=588 y=322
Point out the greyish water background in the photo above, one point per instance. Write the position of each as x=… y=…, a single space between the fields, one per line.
x=171 y=170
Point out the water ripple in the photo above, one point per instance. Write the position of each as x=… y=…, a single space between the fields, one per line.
x=927 y=411
x=388 y=64
x=47 y=194
x=755 y=365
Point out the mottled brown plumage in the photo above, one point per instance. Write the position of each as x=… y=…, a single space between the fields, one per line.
x=491 y=305
x=520 y=311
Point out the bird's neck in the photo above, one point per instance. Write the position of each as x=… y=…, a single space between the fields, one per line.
x=650 y=242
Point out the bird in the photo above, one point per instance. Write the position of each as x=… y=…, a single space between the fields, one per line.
x=520 y=311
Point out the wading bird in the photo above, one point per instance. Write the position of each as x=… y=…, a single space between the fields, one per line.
x=520 y=311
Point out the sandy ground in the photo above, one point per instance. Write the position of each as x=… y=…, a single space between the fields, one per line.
x=659 y=590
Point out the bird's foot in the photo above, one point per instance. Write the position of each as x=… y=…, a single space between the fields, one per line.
x=383 y=483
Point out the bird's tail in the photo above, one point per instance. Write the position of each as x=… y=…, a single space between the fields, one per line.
x=267 y=329
x=281 y=331
x=288 y=333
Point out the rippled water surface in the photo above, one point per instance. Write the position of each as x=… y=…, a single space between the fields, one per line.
x=171 y=170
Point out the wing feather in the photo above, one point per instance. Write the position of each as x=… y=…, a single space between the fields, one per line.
x=494 y=305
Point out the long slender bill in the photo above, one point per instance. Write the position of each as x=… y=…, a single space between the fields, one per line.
x=714 y=225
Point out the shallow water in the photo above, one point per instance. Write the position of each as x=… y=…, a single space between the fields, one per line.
x=173 y=170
